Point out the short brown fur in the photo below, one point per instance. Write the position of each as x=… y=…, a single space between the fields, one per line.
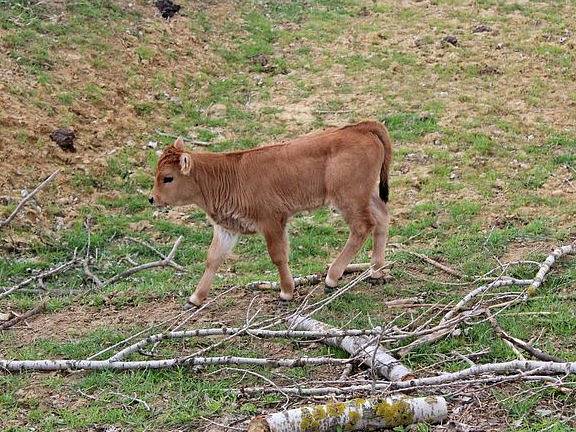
x=258 y=190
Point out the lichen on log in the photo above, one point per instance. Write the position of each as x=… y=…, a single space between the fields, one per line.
x=354 y=415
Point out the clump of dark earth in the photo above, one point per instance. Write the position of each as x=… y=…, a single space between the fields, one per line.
x=481 y=28
x=262 y=63
x=167 y=8
x=364 y=12
x=490 y=70
x=452 y=40
x=64 y=138
x=261 y=60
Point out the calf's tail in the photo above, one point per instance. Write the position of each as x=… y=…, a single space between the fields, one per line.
x=382 y=133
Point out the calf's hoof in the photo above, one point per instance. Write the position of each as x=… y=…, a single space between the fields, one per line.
x=189 y=305
x=330 y=285
x=286 y=297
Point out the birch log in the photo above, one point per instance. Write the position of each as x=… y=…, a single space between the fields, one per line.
x=366 y=348
x=354 y=415
x=224 y=331
x=520 y=367
x=59 y=365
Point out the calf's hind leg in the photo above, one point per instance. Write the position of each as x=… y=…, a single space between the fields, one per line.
x=381 y=216
x=277 y=243
x=360 y=223
x=222 y=243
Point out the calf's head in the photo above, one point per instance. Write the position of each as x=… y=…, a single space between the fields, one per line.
x=173 y=184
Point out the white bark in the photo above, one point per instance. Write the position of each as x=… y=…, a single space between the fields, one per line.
x=27 y=198
x=547 y=264
x=534 y=283
x=354 y=415
x=55 y=365
x=365 y=348
x=465 y=375
x=238 y=331
x=168 y=261
x=42 y=275
x=313 y=279
x=476 y=292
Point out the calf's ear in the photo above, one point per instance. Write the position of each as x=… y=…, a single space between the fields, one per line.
x=179 y=143
x=185 y=163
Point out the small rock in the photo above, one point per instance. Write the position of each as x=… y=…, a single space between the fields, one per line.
x=58 y=223
x=64 y=138
x=562 y=40
x=418 y=42
x=500 y=46
x=152 y=144
x=449 y=40
x=543 y=412
x=6 y=316
x=456 y=332
x=481 y=28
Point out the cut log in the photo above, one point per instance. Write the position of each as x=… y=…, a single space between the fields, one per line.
x=366 y=348
x=354 y=415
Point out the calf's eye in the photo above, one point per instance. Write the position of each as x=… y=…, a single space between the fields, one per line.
x=168 y=179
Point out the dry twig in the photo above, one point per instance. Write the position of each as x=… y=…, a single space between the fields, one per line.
x=27 y=198
x=23 y=317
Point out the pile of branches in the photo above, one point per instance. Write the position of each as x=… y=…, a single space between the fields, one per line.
x=379 y=350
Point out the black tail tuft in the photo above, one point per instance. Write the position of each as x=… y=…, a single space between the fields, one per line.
x=383 y=191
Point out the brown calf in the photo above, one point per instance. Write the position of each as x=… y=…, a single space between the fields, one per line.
x=258 y=190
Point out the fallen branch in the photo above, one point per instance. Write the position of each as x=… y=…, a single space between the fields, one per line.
x=547 y=264
x=24 y=316
x=368 y=351
x=27 y=198
x=463 y=376
x=153 y=249
x=476 y=292
x=184 y=138
x=56 y=365
x=237 y=331
x=442 y=330
x=354 y=415
x=313 y=279
x=168 y=261
x=435 y=263
x=520 y=343
x=40 y=276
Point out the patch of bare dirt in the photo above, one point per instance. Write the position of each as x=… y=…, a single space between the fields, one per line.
x=523 y=251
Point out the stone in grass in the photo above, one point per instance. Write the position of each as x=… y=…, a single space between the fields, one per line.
x=449 y=40
x=64 y=138
x=481 y=28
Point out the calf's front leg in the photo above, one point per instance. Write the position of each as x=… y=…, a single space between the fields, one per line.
x=277 y=243
x=223 y=241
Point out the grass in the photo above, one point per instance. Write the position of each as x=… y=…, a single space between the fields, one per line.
x=484 y=171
